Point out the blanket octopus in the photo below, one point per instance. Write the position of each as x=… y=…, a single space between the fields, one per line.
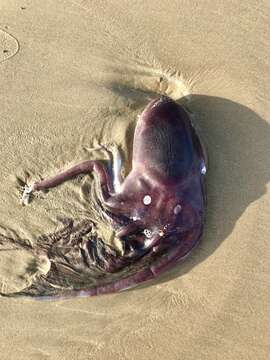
x=158 y=210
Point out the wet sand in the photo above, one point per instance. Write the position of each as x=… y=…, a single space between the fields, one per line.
x=78 y=73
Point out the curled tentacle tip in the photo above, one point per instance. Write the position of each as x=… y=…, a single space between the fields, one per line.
x=25 y=198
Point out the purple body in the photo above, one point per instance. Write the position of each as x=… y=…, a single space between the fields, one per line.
x=158 y=210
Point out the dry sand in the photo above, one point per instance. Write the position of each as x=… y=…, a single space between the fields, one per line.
x=77 y=72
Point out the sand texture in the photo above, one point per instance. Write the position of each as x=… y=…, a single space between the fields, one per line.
x=75 y=74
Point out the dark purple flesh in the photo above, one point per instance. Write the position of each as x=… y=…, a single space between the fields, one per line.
x=157 y=213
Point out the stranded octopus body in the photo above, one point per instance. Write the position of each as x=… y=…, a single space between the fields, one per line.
x=158 y=210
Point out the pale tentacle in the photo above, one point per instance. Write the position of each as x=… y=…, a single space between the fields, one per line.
x=117 y=164
x=81 y=168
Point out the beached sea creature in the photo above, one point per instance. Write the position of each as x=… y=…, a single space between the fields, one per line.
x=157 y=211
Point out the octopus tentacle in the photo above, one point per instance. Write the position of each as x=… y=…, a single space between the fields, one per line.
x=81 y=168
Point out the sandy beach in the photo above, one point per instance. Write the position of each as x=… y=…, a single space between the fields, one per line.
x=78 y=73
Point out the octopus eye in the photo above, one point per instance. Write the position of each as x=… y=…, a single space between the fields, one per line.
x=177 y=209
x=203 y=168
x=147 y=233
x=147 y=200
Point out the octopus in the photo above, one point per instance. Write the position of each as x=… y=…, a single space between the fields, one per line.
x=157 y=211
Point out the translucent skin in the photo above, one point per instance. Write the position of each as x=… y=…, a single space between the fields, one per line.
x=158 y=210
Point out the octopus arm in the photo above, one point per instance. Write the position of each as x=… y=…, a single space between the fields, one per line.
x=84 y=167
